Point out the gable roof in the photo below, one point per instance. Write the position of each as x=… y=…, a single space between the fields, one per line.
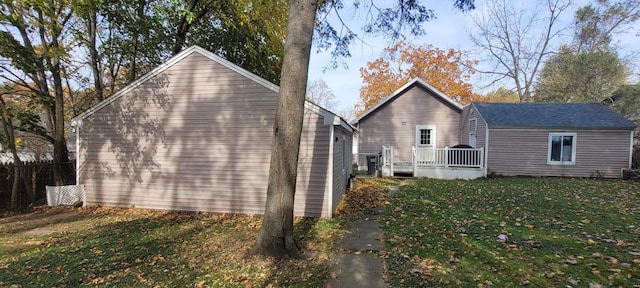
x=330 y=117
x=402 y=90
x=551 y=115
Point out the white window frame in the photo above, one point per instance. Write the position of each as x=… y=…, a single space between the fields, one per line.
x=573 y=148
x=432 y=137
x=473 y=125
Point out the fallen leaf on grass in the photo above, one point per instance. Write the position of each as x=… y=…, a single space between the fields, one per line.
x=571 y=261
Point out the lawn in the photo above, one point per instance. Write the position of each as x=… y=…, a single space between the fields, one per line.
x=561 y=233
x=103 y=247
x=142 y=248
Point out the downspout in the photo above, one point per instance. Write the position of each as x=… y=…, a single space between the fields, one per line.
x=486 y=152
x=631 y=151
x=76 y=126
x=330 y=172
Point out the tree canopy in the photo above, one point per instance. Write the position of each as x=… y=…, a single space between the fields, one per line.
x=447 y=70
x=68 y=55
x=580 y=76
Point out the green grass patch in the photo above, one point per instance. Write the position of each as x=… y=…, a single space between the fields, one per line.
x=561 y=233
x=102 y=247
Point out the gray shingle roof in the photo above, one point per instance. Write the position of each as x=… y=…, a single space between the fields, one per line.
x=552 y=115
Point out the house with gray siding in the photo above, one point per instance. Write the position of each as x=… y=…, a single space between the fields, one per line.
x=415 y=115
x=423 y=132
x=549 y=139
x=195 y=134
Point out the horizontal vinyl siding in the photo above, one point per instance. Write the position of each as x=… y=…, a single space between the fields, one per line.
x=311 y=186
x=524 y=152
x=341 y=169
x=196 y=137
x=416 y=106
x=481 y=130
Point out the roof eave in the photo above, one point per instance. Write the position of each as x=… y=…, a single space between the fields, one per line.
x=403 y=89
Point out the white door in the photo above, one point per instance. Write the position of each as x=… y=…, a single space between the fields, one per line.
x=425 y=143
x=472 y=139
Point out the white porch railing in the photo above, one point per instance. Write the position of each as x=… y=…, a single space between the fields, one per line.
x=386 y=161
x=448 y=157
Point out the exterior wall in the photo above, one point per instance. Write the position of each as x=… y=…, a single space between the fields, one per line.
x=342 y=163
x=469 y=113
x=395 y=124
x=312 y=197
x=524 y=152
x=196 y=137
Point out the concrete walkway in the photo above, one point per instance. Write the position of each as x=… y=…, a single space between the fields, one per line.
x=359 y=264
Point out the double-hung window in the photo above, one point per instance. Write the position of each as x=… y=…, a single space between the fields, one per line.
x=562 y=149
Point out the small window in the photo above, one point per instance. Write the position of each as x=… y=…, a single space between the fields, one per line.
x=473 y=125
x=562 y=149
x=425 y=136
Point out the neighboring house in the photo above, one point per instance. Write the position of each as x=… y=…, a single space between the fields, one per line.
x=550 y=139
x=416 y=115
x=418 y=130
x=195 y=134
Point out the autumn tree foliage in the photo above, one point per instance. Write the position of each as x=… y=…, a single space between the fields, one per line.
x=447 y=70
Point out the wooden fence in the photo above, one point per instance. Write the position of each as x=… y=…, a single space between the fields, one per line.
x=39 y=173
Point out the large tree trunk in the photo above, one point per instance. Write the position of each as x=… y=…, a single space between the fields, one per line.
x=60 y=152
x=275 y=237
x=92 y=30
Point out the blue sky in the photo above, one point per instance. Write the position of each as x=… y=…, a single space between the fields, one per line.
x=449 y=30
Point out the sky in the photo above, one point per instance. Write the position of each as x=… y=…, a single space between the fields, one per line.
x=448 y=30
x=444 y=32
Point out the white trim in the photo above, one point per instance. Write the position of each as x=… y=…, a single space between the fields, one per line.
x=402 y=90
x=344 y=155
x=330 y=172
x=432 y=139
x=486 y=151
x=475 y=125
x=630 y=150
x=77 y=128
x=573 y=148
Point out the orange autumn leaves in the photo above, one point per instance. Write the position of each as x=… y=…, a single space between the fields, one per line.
x=447 y=70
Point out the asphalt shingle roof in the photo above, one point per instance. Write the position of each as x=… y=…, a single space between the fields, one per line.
x=552 y=115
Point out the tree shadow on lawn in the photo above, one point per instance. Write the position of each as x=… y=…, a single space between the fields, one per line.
x=159 y=248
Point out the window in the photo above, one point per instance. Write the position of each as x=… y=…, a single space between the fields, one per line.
x=425 y=136
x=562 y=149
x=473 y=125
